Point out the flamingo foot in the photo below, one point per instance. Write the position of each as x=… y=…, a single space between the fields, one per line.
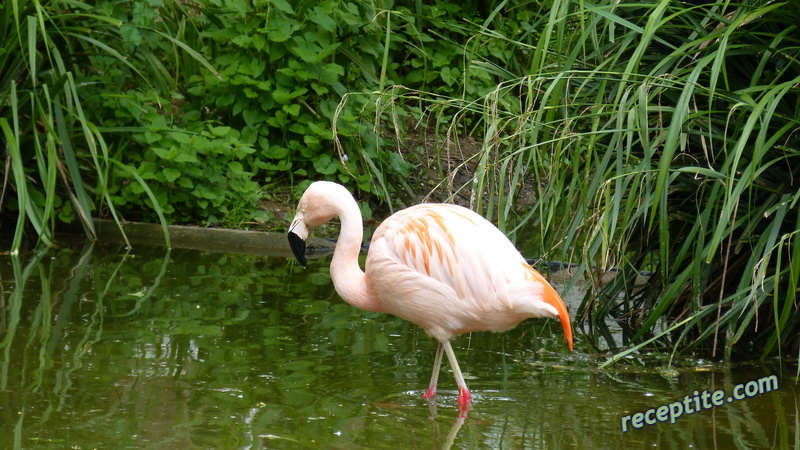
x=430 y=393
x=464 y=397
x=464 y=401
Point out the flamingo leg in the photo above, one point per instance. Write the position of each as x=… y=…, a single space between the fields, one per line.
x=464 y=397
x=437 y=364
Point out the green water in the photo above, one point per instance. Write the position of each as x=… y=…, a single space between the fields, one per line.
x=100 y=348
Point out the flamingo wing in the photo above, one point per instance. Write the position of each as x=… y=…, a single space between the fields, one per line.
x=451 y=271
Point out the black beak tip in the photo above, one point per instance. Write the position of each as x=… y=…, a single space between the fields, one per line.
x=298 y=246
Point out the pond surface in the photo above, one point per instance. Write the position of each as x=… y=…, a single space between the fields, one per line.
x=103 y=348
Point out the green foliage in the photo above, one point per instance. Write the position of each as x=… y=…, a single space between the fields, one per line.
x=283 y=71
x=57 y=158
x=195 y=168
x=655 y=137
x=276 y=73
x=204 y=107
x=279 y=73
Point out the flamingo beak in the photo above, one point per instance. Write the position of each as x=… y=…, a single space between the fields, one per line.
x=552 y=297
x=563 y=316
x=298 y=232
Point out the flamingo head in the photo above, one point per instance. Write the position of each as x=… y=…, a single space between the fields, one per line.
x=317 y=206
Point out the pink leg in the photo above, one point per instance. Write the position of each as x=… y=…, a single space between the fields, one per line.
x=437 y=364
x=464 y=397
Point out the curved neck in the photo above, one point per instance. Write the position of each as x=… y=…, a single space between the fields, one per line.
x=348 y=278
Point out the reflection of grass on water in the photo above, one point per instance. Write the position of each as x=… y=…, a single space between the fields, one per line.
x=644 y=137
x=160 y=346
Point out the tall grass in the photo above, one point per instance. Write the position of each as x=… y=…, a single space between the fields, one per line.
x=58 y=160
x=659 y=136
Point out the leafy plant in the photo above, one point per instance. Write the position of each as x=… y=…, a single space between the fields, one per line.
x=283 y=70
x=200 y=171
x=54 y=58
x=195 y=103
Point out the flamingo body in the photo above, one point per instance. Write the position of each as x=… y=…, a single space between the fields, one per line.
x=450 y=271
x=442 y=267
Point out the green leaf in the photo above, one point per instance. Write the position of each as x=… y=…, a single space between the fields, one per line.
x=307 y=53
x=292 y=110
x=171 y=174
x=277 y=152
x=331 y=72
x=220 y=131
x=235 y=167
x=280 y=34
x=322 y=18
x=185 y=156
x=326 y=165
x=283 y=97
x=282 y=5
x=131 y=35
x=253 y=117
x=450 y=75
x=162 y=153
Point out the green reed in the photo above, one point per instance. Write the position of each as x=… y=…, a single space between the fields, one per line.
x=660 y=137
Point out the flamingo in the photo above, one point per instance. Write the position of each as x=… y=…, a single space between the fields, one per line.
x=440 y=266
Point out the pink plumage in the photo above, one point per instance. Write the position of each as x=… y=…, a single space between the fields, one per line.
x=442 y=267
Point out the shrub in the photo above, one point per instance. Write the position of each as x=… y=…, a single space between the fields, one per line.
x=58 y=156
